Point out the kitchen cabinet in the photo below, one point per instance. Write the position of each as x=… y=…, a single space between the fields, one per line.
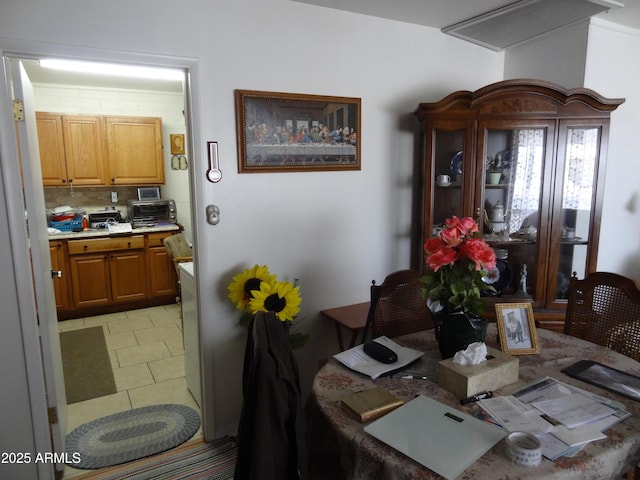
x=97 y=150
x=163 y=278
x=90 y=280
x=60 y=274
x=134 y=150
x=71 y=149
x=106 y=274
x=541 y=212
x=107 y=270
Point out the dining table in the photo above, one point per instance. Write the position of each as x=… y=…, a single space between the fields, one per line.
x=364 y=457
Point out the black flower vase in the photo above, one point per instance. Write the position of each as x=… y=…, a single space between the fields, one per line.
x=457 y=330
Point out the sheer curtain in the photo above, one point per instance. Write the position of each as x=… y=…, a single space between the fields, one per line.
x=582 y=145
x=526 y=178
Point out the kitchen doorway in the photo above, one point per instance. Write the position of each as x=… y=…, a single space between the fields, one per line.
x=90 y=94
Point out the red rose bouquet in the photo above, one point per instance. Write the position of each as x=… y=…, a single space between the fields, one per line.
x=456 y=260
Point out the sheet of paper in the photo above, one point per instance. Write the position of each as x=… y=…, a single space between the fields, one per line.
x=579 y=435
x=573 y=410
x=514 y=416
x=357 y=360
x=553 y=448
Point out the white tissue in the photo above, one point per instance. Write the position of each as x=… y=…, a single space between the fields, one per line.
x=474 y=354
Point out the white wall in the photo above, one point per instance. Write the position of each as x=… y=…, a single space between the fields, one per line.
x=612 y=69
x=558 y=57
x=336 y=231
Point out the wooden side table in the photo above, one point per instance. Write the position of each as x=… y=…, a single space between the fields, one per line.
x=352 y=317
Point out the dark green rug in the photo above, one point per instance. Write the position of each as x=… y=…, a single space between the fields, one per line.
x=86 y=366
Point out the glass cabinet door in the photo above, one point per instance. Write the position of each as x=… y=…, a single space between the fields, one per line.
x=449 y=168
x=512 y=201
x=573 y=225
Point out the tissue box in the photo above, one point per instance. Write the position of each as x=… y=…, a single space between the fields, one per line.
x=498 y=371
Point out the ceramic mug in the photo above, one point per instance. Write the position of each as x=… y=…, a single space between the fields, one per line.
x=443 y=179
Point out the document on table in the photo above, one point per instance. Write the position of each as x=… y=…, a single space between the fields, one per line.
x=357 y=360
x=574 y=410
x=514 y=416
x=571 y=405
x=563 y=417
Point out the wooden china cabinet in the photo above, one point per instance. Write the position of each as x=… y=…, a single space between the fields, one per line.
x=546 y=147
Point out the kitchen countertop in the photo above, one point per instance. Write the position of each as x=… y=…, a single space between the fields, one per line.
x=104 y=232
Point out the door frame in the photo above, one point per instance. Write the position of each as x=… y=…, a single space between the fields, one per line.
x=9 y=150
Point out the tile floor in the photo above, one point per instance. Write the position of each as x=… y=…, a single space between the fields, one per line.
x=147 y=355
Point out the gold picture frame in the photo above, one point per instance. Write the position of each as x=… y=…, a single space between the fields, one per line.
x=517 y=328
x=290 y=132
x=177 y=143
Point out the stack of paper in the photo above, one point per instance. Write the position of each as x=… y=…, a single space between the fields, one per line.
x=357 y=360
x=563 y=417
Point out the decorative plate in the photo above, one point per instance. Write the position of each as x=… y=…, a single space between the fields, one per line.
x=456 y=166
x=499 y=277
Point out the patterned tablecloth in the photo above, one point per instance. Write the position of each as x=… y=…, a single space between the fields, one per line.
x=363 y=457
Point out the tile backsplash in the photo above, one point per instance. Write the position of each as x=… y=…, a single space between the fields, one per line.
x=89 y=199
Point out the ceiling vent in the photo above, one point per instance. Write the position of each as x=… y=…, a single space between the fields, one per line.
x=526 y=19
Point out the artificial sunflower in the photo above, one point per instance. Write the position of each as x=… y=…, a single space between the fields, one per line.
x=282 y=298
x=245 y=283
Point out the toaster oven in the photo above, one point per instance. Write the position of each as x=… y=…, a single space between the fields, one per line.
x=150 y=213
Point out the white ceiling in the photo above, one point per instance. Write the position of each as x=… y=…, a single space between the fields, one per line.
x=442 y=13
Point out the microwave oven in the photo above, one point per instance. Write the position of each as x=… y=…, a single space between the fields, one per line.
x=150 y=213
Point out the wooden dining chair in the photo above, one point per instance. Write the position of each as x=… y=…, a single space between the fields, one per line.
x=397 y=306
x=604 y=308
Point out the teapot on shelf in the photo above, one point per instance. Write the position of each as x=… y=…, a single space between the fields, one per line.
x=497 y=213
x=495 y=217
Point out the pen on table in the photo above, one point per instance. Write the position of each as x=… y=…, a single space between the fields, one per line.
x=410 y=376
x=476 y=397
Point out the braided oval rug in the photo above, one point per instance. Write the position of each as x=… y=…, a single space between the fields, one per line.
x=130 y=435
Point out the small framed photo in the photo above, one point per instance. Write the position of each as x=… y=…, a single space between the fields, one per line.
x=177 y=143
x=149 y=193
x=517 y=328
x=290 y=132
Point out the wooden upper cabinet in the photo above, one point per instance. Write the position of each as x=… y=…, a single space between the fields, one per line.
x=71 y=149
x=134 y=149
x=84 y=149
x=93 y=150
x=51 y=146
x=524 y=158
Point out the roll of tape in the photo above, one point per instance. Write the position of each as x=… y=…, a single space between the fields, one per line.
x=524 y=449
